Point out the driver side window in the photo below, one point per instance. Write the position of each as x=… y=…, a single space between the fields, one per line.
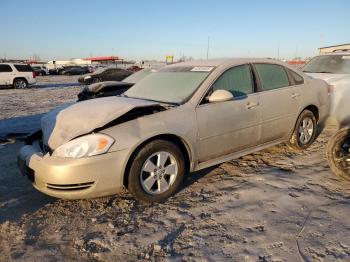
x=237 y=80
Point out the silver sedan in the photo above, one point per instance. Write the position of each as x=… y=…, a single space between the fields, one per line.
x=183 y=118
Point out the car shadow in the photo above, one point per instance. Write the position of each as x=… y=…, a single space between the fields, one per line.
x=55 y=85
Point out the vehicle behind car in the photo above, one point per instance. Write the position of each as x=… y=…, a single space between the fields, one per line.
x=112 y=88
x=105 y=74
x=74 y=70
x=16 y=75
x=334 y=68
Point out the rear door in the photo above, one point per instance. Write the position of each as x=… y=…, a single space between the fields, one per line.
x=5 y=74
x=230 y=126
x=279 y=101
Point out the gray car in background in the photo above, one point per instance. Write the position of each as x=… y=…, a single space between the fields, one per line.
x=182 y=118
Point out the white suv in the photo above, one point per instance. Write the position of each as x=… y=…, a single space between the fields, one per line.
x=16 y=75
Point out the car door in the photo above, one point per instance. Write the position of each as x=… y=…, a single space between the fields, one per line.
x=5 y=74
x=279 y=101
x=230 y=126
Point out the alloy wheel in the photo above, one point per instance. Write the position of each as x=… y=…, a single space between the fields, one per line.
x=306 y=130
x=158 y=173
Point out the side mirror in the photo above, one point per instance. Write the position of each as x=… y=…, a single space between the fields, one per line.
x=220 y=96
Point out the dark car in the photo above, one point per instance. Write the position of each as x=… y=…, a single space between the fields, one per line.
x=38 y=71
x=75 y=70
x=112 y=88
x=105 y=74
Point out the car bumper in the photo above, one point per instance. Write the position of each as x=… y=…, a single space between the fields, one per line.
x=31 y=81
x=66 y=178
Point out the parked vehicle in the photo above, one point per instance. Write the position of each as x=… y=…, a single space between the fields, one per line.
x=112 y=88
x=334 y=68
x=74 y=70
x=40 y=71
x=16 y=75
x=338 y=153
x=182 y=118
x=105 y=74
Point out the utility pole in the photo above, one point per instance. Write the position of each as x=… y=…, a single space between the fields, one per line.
x=278 y=52
x=208 y=48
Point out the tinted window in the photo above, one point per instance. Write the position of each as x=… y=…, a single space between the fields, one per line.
x=5 y=68
x=24 y=68
x=298 y=79
x=237 y=80
x=272 y=76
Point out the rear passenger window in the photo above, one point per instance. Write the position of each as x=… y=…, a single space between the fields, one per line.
x=272 y=76
x=24 y=68
x=237 y=80
x=5 y=68
x=298 y=79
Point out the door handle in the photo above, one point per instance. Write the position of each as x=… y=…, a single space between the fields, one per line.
x=295 y=95
x=250 y=105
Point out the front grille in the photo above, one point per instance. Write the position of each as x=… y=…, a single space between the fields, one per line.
x=70 y=187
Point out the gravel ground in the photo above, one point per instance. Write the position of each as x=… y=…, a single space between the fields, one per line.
x=274 y=205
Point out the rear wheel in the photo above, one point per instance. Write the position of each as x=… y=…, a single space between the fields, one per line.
x=304 y=133
x=338 y=153
x=157 y=171
x=20 y=83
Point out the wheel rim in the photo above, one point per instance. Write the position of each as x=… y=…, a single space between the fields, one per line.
x=341 y=155
x=158 y=173
x=306 y=130
x=20 y=84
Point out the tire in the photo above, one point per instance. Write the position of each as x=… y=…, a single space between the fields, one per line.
x=148 y=185
x=20 y=83
x=338 y=153
x=305 y=131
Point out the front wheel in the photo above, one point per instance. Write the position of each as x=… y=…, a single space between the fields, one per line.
x=20 y=83
x=304 y=133
x=338 y=153
x=156 y=172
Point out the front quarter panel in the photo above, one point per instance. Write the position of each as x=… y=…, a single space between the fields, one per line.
x=179 y=121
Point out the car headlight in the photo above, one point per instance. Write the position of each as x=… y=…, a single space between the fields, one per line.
x=89 y=145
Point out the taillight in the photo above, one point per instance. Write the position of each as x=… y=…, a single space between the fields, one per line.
x=330 y=89
x=34 y=75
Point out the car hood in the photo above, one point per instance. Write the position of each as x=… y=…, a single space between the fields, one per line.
x=329 y=78
x=64 y=123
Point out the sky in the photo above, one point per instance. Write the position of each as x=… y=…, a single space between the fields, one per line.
x=152 y=29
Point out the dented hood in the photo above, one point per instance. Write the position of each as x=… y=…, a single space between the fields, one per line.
x=69 y=121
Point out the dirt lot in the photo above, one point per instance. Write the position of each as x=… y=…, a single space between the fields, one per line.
x=275 y=205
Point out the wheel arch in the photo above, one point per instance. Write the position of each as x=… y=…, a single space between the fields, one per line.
x=177 y=140
x=19 y=77
x=314 y=110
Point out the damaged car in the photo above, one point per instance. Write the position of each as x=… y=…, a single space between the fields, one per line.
x=112 y=88
x=334 y=68
x=104 y=74
x=182 y=118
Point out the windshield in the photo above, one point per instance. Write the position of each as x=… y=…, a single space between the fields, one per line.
x=170 y=85
x=136 y=77
x=335 y=64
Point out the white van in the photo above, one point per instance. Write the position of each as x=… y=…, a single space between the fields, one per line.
x=16 y=75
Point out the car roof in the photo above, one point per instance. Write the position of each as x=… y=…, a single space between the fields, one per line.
x=5 y=63
x=225 y=61
x=336 y=53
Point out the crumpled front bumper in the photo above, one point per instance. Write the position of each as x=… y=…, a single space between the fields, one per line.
x=67 y=178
